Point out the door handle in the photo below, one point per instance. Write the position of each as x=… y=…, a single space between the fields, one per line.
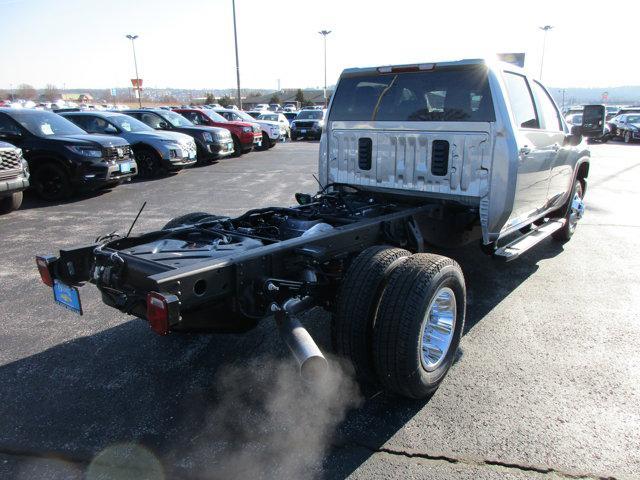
x=525 y=150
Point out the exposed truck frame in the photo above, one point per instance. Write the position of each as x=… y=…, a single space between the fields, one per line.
x=354 y=249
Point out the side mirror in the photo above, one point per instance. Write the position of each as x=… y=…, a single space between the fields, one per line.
x=303 y=198
x=575 y=137
x=110 y=130
x=163 y=126
x=593 y=120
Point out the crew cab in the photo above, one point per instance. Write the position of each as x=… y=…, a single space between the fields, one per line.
x=14 y=177
x=63 y=159
x=271 y=131
x=412 y=157
x=212 y=143
x=156 y=152
x=245 y=135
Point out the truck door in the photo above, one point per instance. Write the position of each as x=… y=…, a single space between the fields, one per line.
x=536 y=151
x=561 y=171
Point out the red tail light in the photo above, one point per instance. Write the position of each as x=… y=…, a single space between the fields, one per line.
x=162 y=312
x=43 y=267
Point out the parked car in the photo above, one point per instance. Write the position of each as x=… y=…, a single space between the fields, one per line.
x=628 y=127
x=14 y=177
x=574 y=119
x=285 y=127
x=245 y=135
x=261 y=106
x=212 y=143
x=271 y=131
x=63 y=158
x=625 y=110
x=156 y=152
x=308 y=124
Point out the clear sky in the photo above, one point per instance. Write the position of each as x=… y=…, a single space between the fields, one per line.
x=189 y=43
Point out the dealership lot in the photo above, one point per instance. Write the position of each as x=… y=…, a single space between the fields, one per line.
x=546 y=382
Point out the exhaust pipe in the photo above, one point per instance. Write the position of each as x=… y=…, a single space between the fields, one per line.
x=313 y=365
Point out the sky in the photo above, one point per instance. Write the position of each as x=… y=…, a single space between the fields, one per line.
x=189 y=43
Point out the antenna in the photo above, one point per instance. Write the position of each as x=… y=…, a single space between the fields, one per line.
x=316 y=179
x=136 y=219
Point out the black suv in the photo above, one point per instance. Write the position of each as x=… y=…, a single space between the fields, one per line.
x=63 y=158
x=308 y=124
x=212 y=142
x=14 y=177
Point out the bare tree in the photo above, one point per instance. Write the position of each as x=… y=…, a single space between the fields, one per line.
x=26 y=92
x=51 y=93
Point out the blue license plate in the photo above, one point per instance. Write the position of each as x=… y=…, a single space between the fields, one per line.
x=303 y=131
x=125 y=167
x=67 y=296
x=229 y=146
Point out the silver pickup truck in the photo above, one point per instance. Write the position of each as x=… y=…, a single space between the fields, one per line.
x=410 y=157
x=485 y=139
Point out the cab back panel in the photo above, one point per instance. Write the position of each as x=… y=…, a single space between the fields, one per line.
x=438 y=161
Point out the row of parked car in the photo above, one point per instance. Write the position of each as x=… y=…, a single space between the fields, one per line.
x=73 y=150
x=623 y=123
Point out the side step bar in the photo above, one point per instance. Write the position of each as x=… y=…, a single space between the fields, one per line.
x=513 y=250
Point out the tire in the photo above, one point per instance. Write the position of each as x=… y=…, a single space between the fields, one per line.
x=353 y=322
x=237 y=147
x=10 y=203
x=189 y=219
x=574 y=213
x=149 y=163
x=412 y=290
x=627 y=137
x=51 y=182
x=266 y=142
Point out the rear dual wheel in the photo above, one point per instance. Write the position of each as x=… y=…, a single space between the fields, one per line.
x=399 y=319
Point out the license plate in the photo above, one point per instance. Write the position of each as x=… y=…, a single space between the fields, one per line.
x=125 y=167
x=303 y=131
x=192 y=154
x=259 y=143
x=229 y=146
x=67 y=296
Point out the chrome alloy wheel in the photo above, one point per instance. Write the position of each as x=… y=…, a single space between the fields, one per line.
x=577 y=209
x=437 y=328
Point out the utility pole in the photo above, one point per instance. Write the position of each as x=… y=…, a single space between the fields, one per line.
x=545 y=29
x=324 y=34
x=235 y=38
x=135 y=64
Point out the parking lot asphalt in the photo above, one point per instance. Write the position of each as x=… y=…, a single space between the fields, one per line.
x=546 y=383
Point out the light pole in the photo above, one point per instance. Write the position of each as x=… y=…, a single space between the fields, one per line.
x=135 y=64
x=545 y=29
x=324 y=34
x=235 y=38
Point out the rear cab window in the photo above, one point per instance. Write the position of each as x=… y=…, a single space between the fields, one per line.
x=521 y=100
x=453 y=95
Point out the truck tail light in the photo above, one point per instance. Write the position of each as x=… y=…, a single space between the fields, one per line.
x=162 y=312
x=43 y=267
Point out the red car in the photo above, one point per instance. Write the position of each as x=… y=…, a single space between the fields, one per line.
x=245 y=135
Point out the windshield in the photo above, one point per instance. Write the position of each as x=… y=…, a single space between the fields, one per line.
x=633 y=119
x=215 y=116
x=272 y=117
x=440 y=95
x=129 y=124
x=176 y=120
x=245 y=116
x=46 y=124
x=310 y=115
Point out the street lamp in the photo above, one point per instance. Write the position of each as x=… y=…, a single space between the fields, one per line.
x=135 y=64
x=324 y=34
x=545 y=29
x=235 y=38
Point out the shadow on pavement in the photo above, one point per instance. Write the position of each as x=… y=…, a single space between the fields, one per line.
x=191 y=403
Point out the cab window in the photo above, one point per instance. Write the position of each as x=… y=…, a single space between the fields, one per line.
x=521 y=100
x=548 y=110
